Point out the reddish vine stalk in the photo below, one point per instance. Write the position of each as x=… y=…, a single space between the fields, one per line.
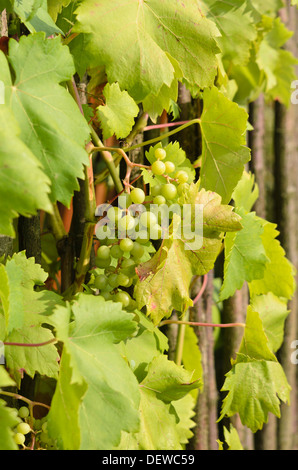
x=193 y=323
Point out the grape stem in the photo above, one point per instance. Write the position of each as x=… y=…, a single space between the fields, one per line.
x=193 y=323
x=164 y=125
x=151 y=141
x=165 y=135
x=108 y=159
x=204 y=285
x=122 y=153
x=129 y=164
x=31 y=403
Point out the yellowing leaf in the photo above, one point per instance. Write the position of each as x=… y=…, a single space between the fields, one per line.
x=165 y=279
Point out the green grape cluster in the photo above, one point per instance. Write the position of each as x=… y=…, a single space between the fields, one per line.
x=23 y=428
x=118 y=259
x=29 y=426
x=175 y=181
x=124 y=230
x=44 y=441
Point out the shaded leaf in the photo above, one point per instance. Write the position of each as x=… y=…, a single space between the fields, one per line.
x=35 y=16
x=169 y=381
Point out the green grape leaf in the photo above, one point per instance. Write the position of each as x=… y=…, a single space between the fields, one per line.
x=8 y=416
x=6 y=5
x=18 y=277
x=34 y=14
x=21 y=175
x=246 y=192
x=5 y=379
x=273 y=312
x=158 y=425
x=277 y=63
x=11 y=295
x=164 y=280
x=142 y=47
x=63 y=417
x=56 y=6
x=50 y=121
x=142 y=348
x=184 y=408
x=217 y=216
x=163 y=425
x=223 y=126
x=237 y=26
x=154 y=105
x=254 y=344
x=169 y=381
x=9 y=420
x=110 y=403
x=271 y=7
x=43 y=360
x=26 y=9
x=245 y=255
x=161 y=339
x=256 y=383
x=249 y=79
x=33 y=274
x=279 y=275
x=192 y=358
x=232 y=438
x=255 y=389
x=118 y=114
x=22 y=318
